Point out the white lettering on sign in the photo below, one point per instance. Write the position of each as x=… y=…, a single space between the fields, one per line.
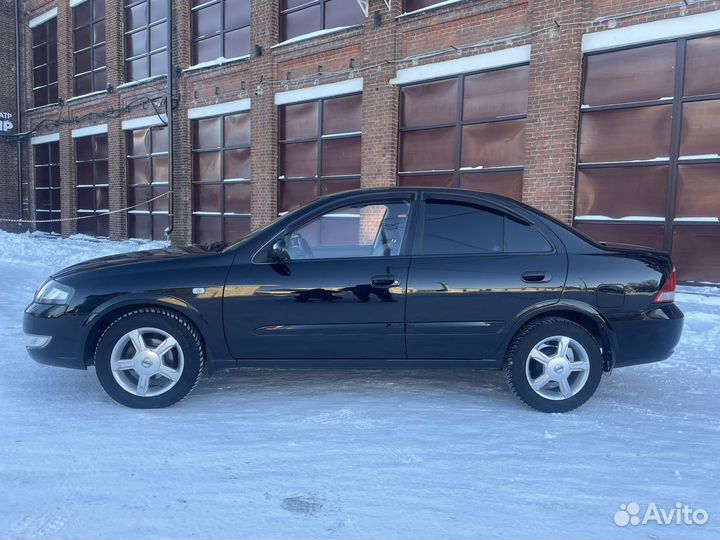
x=6 y=121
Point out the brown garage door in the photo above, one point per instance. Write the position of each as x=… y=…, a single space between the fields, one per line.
x=649 y=151
x=466 y=131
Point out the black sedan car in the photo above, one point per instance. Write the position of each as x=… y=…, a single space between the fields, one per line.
x=367 y=279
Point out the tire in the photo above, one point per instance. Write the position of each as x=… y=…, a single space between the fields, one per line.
x=149 y=358
x=535 y=366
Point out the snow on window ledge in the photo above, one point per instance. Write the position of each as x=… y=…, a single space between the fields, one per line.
x=140 y=81
x=221 y=61
x=708 y=219
x=429 y=8
x=84 y=96
x=42 y=107
x=593 y=217
x=315 y=34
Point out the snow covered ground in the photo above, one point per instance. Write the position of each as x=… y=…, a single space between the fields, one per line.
x=359 y=454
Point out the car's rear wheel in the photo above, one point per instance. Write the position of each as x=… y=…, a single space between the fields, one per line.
x=553 y=365
x=149 y=358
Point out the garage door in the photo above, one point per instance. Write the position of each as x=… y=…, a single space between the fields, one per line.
x=465 y=132
x=649 y=151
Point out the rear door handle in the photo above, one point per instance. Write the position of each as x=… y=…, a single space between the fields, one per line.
x=384 y=281
x=536 y=276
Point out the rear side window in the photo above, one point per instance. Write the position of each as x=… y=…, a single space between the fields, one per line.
x=523 y=238
x=456 y=228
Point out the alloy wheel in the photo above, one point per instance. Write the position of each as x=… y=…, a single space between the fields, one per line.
x=557 y=367
x=147 y=362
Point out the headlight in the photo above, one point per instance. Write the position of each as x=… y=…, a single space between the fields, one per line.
x=52 y=292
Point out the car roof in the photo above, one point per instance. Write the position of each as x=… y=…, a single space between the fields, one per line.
x=433 y=190
x=507 y=203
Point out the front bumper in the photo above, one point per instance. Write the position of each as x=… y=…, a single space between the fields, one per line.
x=650 y=337
x=65 y=330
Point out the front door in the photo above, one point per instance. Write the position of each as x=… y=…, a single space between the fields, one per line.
x=338 y=292
x=473 y=271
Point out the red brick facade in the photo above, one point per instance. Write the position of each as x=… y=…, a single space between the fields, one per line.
x=9 y=188
x=386 y=42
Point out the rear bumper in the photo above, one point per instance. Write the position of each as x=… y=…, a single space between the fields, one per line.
x=648 y=337
x=65 y=332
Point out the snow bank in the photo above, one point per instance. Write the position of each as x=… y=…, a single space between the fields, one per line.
x=55 y=253
x=348 y=454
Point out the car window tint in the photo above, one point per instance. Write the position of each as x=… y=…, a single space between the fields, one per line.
x=523 y=238
x=455 y=228
x=369 y=230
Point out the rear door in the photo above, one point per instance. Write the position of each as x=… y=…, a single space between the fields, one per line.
x=475 y=267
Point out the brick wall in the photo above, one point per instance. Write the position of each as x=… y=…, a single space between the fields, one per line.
x=263 y=117
x=553 y=106
x=486 y=25
x=10 y=196
x=181 y=148
x=380 y=100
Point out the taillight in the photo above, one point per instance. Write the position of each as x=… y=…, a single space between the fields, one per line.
x=667 y=293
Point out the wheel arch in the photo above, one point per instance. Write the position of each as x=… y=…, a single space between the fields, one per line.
x=102 y=316
x=578 y=312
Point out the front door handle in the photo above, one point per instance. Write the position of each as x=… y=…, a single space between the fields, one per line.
x=536 y=276
x=385 y=281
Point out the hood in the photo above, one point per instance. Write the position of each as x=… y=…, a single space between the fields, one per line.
x=134 y=258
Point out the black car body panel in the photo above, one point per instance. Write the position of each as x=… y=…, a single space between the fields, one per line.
x=404 y=309
x=105 y=286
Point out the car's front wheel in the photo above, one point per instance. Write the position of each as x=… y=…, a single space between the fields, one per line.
x=553 y=365
x=149 y=358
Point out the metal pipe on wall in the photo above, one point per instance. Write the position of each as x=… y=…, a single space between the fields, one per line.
x=18 y=103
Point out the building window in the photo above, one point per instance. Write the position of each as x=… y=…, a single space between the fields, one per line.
x=300 y=17
x=145 y=39
x=147 y=178
x=319 y=149
x=45 y=69
x=465 y=132
x=46 y=168
x=89 y=47
x=91 y=168
x=221 y=28
x=221 y=178
x=649 y=151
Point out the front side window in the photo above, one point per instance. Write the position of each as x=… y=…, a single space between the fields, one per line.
x=465 y=132
x=319 y=149
x=45 y=69
x=300 y=17
x=89 y=47
x=145 y=39
x=147 y=178
x=221 y=178
x=365 y=230
x=91 y=168
x=46 y=168
x=221 y=29
x=456 y=228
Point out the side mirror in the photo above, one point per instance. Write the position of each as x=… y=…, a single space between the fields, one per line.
x=279 y=252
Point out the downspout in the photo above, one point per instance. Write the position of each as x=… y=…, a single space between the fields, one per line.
x=18 y=119
x=169 y=113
